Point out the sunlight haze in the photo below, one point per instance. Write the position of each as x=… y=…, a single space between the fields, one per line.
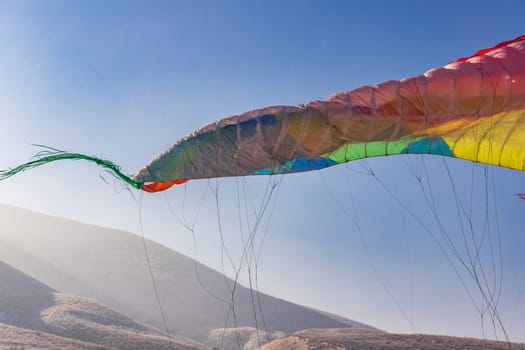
x=124 y=80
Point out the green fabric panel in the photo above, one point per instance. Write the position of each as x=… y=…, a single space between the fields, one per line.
x=353 y=151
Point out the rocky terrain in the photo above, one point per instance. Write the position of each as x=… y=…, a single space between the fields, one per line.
x=349 y=339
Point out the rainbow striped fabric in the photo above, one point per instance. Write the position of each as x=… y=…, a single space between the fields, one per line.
x=472 y=108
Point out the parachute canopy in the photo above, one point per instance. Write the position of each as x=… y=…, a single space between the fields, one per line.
x=473 y=109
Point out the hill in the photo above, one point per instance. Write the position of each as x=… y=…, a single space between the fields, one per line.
x=348 y=339
x=109 y=266
x=33 y=315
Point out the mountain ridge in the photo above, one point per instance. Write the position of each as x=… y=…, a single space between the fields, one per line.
x=109 y=266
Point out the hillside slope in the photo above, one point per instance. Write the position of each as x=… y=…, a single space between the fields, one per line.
x=348 y=339
x=34 y=315
x=110 y=267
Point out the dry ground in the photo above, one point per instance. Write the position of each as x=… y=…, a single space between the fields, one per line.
x=345 y=339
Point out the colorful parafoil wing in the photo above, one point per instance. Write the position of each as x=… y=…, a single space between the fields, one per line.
x=473 y=109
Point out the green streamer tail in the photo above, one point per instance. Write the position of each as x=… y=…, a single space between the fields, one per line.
x=51 y=155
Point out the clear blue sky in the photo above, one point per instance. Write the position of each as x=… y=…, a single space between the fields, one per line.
x=124 y=80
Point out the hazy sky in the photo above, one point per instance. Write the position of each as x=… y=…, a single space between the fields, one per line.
x=124 y=80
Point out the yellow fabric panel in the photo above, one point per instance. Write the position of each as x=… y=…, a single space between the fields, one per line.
x=497 y=140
